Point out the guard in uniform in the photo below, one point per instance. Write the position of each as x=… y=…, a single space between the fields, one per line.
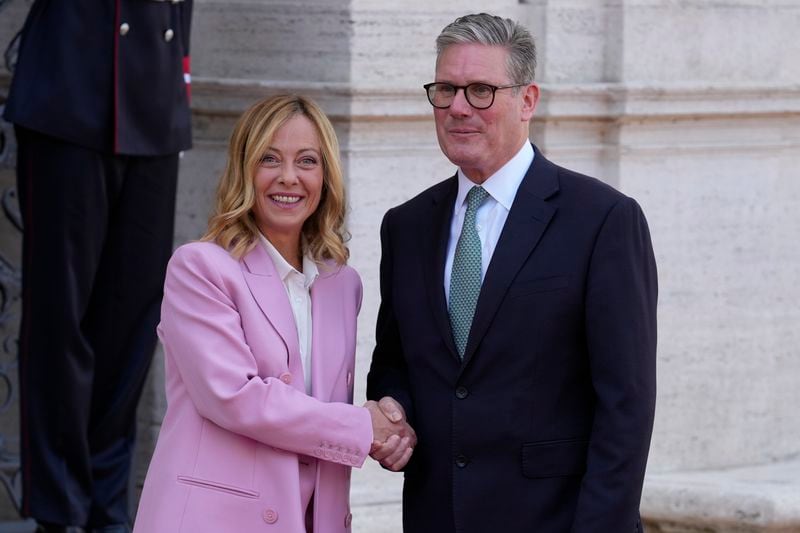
x=100 y=103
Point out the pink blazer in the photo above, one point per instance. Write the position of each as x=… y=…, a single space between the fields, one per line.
x=237 y=415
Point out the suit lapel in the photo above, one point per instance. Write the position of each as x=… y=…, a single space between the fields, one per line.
x=270 y=295
x=529 y=216
x=438 y=233
x=327 y=333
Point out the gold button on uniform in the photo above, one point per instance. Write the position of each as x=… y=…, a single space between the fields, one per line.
x=124 y=28
x=168 y=35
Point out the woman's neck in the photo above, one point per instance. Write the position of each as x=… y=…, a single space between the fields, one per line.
x=289 y=248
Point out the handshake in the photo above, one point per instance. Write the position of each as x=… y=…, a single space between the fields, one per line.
x=393 y=440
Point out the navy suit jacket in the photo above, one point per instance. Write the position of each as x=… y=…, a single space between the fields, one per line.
x=545 y=426
x=80 y=80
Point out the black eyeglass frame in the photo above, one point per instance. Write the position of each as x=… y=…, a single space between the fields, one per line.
x=494 y=89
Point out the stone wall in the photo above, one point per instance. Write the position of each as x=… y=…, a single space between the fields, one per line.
x=690 y=106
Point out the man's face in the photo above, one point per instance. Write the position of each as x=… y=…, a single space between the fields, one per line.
x=480 y=141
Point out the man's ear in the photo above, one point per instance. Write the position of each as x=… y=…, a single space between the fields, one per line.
x=530 y=97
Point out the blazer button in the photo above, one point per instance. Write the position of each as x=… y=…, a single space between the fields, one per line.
x=461 y=393
x=168 y=35
x=124 y=28
x=270 y=516
x=286 y=377
x=461 y=461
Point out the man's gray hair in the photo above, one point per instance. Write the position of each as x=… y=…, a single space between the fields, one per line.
x=492 y=30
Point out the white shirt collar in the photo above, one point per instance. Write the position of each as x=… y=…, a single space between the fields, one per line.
x=310 y=269
x=503 y=184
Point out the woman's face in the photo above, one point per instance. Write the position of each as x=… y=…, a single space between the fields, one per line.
x=288 y=181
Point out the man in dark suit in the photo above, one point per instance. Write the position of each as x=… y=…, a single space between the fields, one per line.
x=517 y=327
x=100 y=104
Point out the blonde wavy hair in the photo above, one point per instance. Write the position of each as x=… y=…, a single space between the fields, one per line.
x=232 y=224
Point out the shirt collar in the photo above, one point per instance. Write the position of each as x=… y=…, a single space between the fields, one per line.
x=503 y=184
x=284 y=269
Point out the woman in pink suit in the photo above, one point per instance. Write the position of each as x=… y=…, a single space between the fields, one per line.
x=259 y=326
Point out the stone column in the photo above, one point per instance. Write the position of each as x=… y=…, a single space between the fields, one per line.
x=692 y=107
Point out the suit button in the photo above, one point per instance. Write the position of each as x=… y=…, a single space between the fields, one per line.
x=461 y=393
x=286 y=377
x=124 y=28
x=168 y=35
x=461 y=461
x=270 y=516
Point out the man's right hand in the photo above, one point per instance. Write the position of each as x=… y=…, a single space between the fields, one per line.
x=393 y=438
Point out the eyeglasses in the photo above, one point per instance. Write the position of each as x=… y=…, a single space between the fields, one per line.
x=478 y=95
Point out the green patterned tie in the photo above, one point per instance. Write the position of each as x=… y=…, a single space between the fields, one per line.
x=465 y=278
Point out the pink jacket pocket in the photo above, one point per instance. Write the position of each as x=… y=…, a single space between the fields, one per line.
x=221 y=487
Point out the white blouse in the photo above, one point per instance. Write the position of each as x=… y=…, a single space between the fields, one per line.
x=298 y=289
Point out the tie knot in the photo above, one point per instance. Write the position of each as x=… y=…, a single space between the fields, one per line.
x=475 y=197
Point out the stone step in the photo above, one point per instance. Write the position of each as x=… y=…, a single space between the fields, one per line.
x=750 y=499
x=22 y=526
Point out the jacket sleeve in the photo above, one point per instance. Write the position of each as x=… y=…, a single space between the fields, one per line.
x=186 y=25
x=620 y=322
x=388 y=375
x=202 y=332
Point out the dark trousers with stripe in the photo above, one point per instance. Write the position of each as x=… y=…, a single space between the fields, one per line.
x=98 y=233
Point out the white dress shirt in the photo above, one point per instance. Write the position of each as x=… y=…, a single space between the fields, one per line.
x=298 y=289
x=492 y=214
